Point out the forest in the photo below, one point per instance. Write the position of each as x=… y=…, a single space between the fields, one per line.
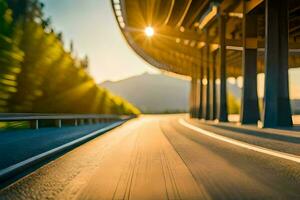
x=39 y=75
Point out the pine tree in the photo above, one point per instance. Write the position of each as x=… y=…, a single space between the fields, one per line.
x=38 y=75
x=10 y=57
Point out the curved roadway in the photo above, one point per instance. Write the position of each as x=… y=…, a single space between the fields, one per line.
x=156 y=157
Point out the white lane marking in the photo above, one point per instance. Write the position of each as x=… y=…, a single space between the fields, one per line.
x=30 y=161
x=245 y=145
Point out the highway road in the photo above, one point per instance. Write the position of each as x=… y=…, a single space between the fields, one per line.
x=170 y=157
x=18 y=145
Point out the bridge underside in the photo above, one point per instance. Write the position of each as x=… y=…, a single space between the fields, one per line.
x=213 y=40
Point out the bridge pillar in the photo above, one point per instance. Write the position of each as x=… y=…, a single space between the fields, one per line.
x=249 y=102
x=201 y=89
x=207 y=73
x=192 y=96
x=190 y=99
x=222 y=102
x=204 y=85
x=196 y=97
x=213 y=88
x=277 y=110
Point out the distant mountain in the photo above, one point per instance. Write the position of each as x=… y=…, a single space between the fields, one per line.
x=153 y=93
x=158 y=93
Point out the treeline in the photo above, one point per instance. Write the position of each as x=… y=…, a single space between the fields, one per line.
x=37 y=74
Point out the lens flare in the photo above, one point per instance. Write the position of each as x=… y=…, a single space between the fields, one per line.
x=149 y=31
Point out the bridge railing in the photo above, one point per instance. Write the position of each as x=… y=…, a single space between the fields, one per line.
x=35 y=119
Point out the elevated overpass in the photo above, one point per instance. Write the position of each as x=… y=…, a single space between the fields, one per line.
x=210 y=40
x=173 y=156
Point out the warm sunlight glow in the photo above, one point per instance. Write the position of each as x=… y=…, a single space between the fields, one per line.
x=149 y=31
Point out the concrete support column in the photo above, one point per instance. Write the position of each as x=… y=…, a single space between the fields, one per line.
x=249 y=102
x=197 y=96
x=192 y=96
x=204 y=86
x=207 y=72
x=277 y=110
x=213 y=91
x=190 y=99
x=200 y=116
x=222 y=103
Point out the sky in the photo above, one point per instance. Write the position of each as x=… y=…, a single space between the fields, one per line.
x=91 y=25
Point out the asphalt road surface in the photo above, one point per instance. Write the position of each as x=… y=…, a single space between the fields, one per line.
x=157 y=157
x=19 y=145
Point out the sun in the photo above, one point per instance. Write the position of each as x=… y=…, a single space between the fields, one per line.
x=149 y=31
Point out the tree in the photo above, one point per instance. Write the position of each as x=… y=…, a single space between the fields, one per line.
x=10 y=56
x=38 y=75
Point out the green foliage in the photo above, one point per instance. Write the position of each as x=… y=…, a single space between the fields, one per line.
x=38 y=75
x=14 y=125
x=10 y=56
x=233 y=104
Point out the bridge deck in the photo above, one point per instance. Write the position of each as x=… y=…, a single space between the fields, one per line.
x=155 y=157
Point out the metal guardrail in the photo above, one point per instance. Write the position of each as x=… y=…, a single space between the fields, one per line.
x=7 y=174
x=77 y=119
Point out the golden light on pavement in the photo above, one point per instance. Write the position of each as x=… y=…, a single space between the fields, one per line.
x=149 y=31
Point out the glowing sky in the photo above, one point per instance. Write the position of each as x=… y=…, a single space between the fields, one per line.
x=94 y=31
